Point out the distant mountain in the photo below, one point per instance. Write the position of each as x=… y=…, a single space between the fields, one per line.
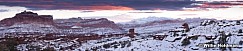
x=99 y=26
x=30 y=22
x=151 y=24
x=147 y=20
x=27 y=17
x=79 y=22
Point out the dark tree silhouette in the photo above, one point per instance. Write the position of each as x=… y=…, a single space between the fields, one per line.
x=9 y=45
x=240 y=31
x=223 y=40
x=186 y=26
x=237 y=22
x=185 y=42
x=131 y=33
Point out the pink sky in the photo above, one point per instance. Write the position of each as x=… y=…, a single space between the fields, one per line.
x=127 y=15
x=224 y=10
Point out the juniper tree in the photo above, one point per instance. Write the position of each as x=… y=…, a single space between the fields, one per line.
x=186 y=26
x=237 y=22
x=240 y=31
x=223 y=40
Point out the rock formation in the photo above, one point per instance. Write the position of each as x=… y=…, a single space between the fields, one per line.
x=27 y=17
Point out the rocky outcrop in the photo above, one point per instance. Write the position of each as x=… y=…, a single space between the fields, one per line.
x=32 y=22
x=79 y=23
x=27 y=17
x=207 y=22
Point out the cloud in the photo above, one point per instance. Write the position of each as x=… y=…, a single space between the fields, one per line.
x=145 y=12
x=218 y=0
x=3 y=10
x=87 y=11
x=117 y=4
x=219 y=4
x=14 y=1
x=99 y=4
x=187 y=15
x=103 y=8
x=12 y=8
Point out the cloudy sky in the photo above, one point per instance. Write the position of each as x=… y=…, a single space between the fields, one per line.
x=126 y=10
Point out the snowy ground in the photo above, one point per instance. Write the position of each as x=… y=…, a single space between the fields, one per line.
x=206 y=32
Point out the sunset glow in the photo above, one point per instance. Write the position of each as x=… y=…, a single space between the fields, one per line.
x=114 y=11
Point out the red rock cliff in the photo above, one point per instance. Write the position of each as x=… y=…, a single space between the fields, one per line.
x=28 y=17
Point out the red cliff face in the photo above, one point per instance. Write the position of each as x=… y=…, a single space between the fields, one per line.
x=28 y=17
x=97 y=23
x=103 y=22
